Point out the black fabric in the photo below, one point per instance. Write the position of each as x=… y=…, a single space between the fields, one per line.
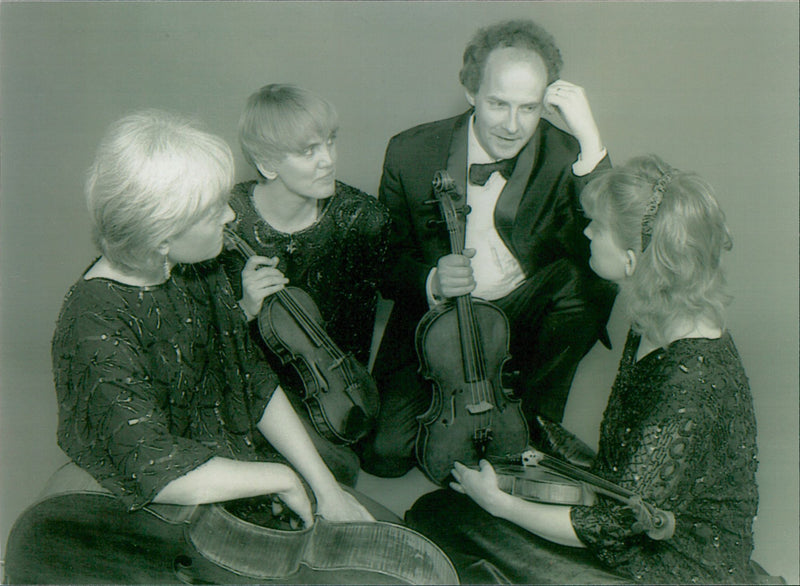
x=479 y=173
x=154 y=381
x=487 y=550
x=338 y=261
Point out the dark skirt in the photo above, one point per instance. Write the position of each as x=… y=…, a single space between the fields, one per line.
x=488 y=550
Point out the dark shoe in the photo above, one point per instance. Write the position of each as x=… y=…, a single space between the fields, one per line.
x=552 y=439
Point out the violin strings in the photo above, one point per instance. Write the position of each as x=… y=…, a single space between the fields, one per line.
x=471 y=351
x=318 y=335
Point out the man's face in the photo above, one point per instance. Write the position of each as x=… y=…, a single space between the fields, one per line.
x=509 y=102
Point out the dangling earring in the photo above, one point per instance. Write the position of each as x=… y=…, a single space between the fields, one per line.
x=167 y=268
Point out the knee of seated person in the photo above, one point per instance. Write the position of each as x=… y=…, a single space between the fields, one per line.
x=386 y=459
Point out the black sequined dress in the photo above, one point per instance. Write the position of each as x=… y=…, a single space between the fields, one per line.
x=339 y=261
x=679 y=430
x=154 y=381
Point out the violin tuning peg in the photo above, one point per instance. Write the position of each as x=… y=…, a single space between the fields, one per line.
x=467 y=210
x=433 y=224
x=430 y=202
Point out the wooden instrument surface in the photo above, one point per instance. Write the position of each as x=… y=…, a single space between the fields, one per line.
x=538 y=485
x=79 y=533
x=462 y=345
x=338 y=391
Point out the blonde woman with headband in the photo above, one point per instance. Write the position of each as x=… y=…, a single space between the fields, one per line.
x=679 y=428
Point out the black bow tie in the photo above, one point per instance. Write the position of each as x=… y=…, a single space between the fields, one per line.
x=479 y=173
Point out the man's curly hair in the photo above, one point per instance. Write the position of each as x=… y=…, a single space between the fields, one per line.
x=523 y=34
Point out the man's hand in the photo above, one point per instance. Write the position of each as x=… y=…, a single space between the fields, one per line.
x=453 y=276
x=260 y=279
x=568 y=102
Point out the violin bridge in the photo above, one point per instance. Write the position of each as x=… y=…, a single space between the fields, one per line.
x=477 y=408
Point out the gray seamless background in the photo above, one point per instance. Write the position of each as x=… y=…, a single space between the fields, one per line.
x=711 y=87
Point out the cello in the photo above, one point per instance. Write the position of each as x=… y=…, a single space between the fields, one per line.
x=79 y=533
x=338 y=391
x=462 y=345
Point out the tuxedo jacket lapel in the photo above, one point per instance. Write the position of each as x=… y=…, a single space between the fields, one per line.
x=457 y=155
x=505 y=212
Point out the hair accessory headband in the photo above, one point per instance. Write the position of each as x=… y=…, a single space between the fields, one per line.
x=651 y=209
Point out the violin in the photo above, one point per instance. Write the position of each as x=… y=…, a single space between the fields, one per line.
x=462 y=345
x=545 y=479
x=338 y=391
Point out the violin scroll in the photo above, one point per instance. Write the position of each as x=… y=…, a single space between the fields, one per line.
x=443 y=182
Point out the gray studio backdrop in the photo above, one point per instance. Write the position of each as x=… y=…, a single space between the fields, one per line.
x=710 y=87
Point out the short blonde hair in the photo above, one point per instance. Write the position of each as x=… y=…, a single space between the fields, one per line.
x=679 y=273
x=280 y=119
x=154 y=175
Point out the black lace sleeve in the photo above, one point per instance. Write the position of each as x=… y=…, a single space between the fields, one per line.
x=679 y=431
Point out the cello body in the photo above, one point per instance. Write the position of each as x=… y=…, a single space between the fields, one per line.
x=462 y=345
x=78 y=533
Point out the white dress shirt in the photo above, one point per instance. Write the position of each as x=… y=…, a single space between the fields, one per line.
x=495 y=269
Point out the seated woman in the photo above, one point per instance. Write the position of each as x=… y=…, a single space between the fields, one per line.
x=309 y=230
x=162 y=396
x=679 y=428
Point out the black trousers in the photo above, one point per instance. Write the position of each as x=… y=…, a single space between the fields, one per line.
x=555 y=316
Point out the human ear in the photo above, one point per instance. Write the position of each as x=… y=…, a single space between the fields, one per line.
x=266 y=172
x=630 y=262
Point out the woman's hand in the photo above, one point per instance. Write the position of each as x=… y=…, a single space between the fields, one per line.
x=569 y=102
x=481 y=486
x=260 y=279
x=295 y=498
x=339 y=505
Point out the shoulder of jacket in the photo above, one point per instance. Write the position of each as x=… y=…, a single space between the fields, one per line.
x=557 y=139
x=427 y=131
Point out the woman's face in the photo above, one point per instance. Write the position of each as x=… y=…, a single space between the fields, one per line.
x=203 y=239
x=609 y=260
x=310 y=173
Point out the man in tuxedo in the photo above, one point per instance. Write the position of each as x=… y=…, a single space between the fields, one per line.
x=524 y=247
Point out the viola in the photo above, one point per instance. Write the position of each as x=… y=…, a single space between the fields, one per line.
x=79 y=533
x=542 y=478
x=338 y=391
x=462 y=345
x=539 y=485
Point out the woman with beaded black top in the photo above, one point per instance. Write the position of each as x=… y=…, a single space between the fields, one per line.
x=162 y=396
x=309 y=230
x=679 y=428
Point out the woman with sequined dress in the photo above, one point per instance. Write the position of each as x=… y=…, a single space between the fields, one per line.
x=162 y=396
x=679 y=428
x=309 y=230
